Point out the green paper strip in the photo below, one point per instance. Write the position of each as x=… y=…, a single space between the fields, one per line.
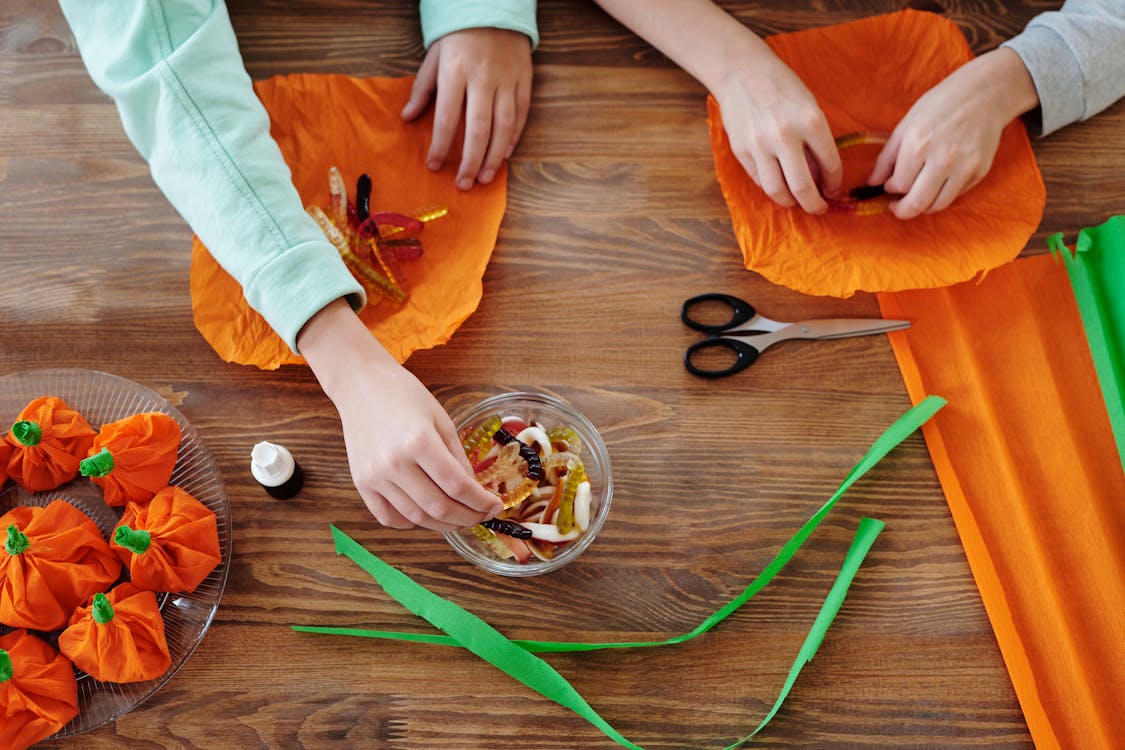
x=465 y=629
x=476 y=635
x=895 y=434
x=869 y=529
x=1097 y=276
x=482 y=639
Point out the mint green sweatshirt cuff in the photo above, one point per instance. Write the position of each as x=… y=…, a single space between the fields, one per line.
x=441 y=17
x=174 y=70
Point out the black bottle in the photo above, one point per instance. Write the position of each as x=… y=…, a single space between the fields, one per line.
x=275 y=469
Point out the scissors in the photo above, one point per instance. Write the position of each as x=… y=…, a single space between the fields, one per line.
x=746 y=322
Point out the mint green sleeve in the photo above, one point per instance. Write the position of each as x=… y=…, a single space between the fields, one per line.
x=187 y=103
x=441 y=17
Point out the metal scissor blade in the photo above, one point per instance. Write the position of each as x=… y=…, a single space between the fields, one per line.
x=838 y=328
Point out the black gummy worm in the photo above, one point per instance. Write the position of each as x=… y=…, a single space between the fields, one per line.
x=511 y=528
x=866 y=192
x=527 y=453
x=363 y=197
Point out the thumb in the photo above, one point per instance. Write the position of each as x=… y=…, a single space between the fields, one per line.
x=885 y=162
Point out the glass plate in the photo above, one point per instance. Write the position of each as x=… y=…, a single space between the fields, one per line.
x=100 y=397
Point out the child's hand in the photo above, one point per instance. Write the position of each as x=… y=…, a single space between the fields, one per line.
x=405 y=456
x=485 y=75
x=780 y=136
x=946 y=143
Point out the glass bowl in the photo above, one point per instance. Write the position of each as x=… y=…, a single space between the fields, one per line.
x=549 y=412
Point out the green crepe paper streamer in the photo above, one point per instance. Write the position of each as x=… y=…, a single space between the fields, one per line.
x=869 y=528
x=513 y=657
x=476 y=635
x=1097 y=276
x=895 y=434
x=482 y=639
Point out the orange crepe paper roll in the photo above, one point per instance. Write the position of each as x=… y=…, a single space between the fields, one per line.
x=365 y=134
x=118 y=636
x=865 y=76
x=170 y=543
x=46 y=442
x=133 y=458
x=53 y=560
x=38 y=690
x=1027 y=460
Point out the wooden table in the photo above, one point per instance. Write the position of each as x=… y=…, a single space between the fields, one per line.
x=612 y=186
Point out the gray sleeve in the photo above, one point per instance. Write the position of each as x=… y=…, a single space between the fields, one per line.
x=1076 y=57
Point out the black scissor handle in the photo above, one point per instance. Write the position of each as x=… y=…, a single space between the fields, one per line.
x=745 y=355
x=740 y=312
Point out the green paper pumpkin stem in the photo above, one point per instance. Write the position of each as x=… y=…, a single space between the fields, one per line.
x=102 y=609
x=17 y=541
x=6 y=670
x=136 y=541
x=27 y=432
x=98 y=465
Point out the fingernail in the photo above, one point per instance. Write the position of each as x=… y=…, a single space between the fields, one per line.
x=486 y=176
x=465 y=183
x=433 y=165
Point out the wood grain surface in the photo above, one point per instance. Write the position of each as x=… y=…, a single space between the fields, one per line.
x=613 y=188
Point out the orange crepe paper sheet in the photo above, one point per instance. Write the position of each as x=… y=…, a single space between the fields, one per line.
x=40 y=697
x=866 y=75
x=129 y=647
x=183 y=542
x=320 y=121
x=65 y=562
x=5 y=455
x=1029 y=467
x=65 y=439
x=144 y=448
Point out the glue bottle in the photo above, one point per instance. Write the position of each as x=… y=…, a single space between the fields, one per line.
x=275 y=469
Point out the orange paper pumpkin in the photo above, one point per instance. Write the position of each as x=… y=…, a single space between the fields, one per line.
x=5 y=454
x=118 y=637
x=168 y=544
x=47 y=441
x=53 y=560
x=865 y=76
x=38 y=690
x=132 y=458
x=321 y=121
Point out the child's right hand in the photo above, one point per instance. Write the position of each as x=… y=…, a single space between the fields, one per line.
x=779 y=135
x=405 y=455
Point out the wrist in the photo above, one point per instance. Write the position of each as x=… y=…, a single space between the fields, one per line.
x=1007 y=83
x=338 y=347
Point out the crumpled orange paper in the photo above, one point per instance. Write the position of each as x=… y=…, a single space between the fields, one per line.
x=865 y=75
x=141 y=449
x=320 y=121
x=38 y=690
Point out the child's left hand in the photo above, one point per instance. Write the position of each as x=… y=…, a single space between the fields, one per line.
x=484 y=75
x=946 y=143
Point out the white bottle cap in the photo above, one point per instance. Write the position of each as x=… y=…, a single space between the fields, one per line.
x=271 y=464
